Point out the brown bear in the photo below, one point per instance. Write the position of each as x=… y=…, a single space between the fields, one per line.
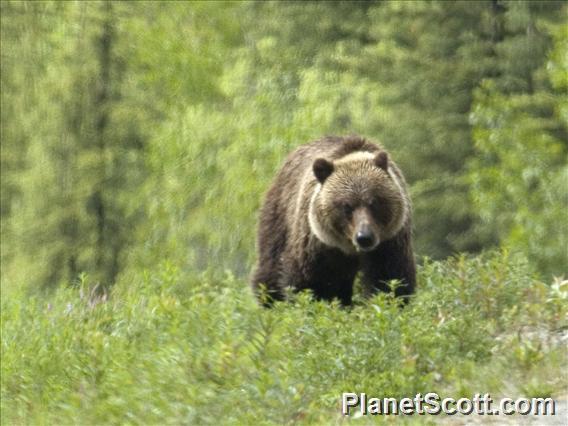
x=339 y=205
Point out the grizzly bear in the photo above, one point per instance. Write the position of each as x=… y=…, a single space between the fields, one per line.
x=338 y=206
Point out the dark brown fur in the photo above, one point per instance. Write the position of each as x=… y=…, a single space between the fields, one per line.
x=290 y=253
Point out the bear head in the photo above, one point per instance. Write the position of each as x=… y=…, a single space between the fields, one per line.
x=358 y=202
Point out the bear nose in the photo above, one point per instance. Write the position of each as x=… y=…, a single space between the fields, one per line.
x=364 y=238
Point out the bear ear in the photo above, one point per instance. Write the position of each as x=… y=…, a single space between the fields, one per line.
x=382 y=160
x=322 y=169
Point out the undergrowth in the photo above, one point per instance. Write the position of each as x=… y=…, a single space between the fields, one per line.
x=171 y=349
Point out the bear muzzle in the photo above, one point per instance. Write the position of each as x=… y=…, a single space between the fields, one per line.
x=365 y=237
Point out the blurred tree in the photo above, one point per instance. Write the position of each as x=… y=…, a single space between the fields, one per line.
x=427 y=60
x=83 y=155
x=136 y=132
x=24 y=28
x=204 y=203
x=410 y=82
x=520 y=172
x=112 y=72
x=182 y=56
x=402 y=72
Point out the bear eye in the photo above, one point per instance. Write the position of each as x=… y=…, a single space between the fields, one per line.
x=346 y=208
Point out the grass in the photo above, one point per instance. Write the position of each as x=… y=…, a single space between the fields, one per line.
x=169 y=349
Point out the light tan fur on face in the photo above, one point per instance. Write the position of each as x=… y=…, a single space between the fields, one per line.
x=324 y=236
x=359 y=156
x=402 y=216
x=354 y=164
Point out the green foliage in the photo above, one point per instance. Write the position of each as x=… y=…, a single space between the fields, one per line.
x=428 y=59
x=82 y=152
x=104 y=90
x=374 y=69
x=168 y=350
x=139 y=138
x=520 y=174
x=25 y=49
x=137 y=133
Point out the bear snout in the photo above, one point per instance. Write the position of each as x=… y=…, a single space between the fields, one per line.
x=365 y=237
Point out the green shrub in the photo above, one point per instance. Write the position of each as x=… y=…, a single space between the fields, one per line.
x=172 y=349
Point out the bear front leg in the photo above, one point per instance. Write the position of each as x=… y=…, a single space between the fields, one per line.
x=266 y=286
x=340 y=290
x=328 y=274
x=272 y=237
x=391 y=260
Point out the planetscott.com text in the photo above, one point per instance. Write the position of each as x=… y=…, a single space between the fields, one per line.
x=431 y=403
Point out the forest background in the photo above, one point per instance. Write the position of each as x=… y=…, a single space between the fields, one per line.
x=138 y=138
x=138 y=133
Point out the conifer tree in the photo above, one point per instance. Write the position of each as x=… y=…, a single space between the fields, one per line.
x=25 y=50
x=519 y=173
x=77 y=181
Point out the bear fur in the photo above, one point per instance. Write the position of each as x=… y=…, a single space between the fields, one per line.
x=338 y=206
